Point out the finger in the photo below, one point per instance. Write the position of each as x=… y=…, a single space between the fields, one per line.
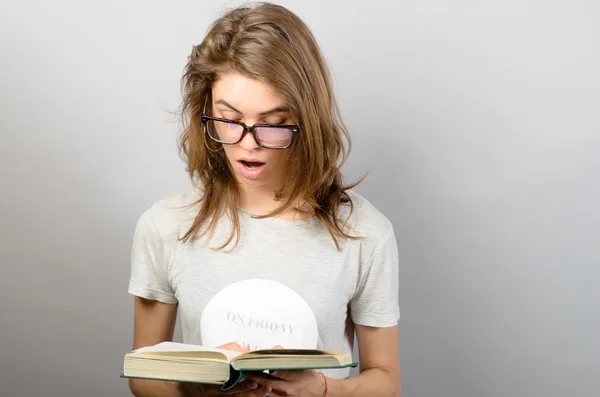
x=258 y=377
x=261 y=391
x=245 y=385
x=276 y=384
x=229 y=346
x=277 y=347
x=234 y=346
x=288 y=374
x=216 y=390
x=275 y=393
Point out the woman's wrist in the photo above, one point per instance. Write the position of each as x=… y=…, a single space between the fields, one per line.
x=324 y=385
x=338 y=387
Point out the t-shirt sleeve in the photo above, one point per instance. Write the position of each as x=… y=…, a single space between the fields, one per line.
x=149 y=275
x=375 y=302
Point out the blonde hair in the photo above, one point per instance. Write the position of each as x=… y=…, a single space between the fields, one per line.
x=271 y=44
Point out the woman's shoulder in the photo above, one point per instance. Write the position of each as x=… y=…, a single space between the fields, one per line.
x=366 y=219
x=169 y=214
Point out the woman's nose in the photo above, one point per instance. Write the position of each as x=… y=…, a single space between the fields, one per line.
x=248 y=142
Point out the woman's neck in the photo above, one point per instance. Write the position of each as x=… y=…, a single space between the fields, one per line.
x=261 y=201
x=257 y=201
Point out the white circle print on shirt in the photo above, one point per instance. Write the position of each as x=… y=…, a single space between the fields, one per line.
x=259 y=313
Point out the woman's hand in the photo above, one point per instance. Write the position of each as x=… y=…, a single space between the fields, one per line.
x=296 y=383
x=244 y=388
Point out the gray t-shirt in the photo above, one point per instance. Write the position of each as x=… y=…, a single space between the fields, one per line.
x=357 y=285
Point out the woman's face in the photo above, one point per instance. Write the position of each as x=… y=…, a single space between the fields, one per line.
x=239 y=98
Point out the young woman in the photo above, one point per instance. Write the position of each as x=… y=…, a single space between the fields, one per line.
x=263 y=144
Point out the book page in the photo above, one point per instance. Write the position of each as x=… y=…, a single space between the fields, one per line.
x=295 y=352
x=250 y=361
x=167 y=347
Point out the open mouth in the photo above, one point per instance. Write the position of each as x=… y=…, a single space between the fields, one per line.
x=252 y=165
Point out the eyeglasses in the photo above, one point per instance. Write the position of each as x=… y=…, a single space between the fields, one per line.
x=229 y=132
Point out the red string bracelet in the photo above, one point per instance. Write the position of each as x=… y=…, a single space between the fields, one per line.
x=324 y=380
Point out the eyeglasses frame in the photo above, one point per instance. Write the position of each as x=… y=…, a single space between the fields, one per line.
x=250 y=129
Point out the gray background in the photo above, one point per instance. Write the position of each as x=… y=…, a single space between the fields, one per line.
x=478 y=122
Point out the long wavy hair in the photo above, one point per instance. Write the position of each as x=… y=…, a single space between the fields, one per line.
x=271 y=44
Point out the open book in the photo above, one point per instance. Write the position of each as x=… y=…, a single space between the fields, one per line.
x=178 y=362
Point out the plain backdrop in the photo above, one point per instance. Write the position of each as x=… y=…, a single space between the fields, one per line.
x=479 y=122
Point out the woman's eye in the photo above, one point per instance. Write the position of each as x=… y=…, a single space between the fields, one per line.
x=231 y=117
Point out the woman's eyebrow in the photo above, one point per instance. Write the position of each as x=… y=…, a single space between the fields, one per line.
x=278 y=109
x=224 y=102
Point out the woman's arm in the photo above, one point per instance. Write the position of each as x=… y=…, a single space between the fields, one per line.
x=379 y=366
x=379 y=371
x=154 y=322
